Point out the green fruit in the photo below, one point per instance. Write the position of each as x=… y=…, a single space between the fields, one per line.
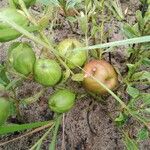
x=62 y=101
x=73 y=58
x=28 y=3
x=22 y=57
x=7 y=33
x=4 y=110
x=103 y=72
x=47 y=72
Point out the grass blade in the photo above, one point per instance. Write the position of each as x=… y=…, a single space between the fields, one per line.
x=11 y=128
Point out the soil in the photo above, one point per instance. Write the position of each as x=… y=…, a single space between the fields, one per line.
x=89 y=125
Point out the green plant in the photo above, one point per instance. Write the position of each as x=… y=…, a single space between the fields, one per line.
x=62 y=101
x=22 y=57
x=138 y=58
x=103 y=72
x=28 y=3
x=47 y=72
x=55 y=64
x=140 y=28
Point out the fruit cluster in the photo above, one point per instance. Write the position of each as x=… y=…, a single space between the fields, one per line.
x=48 y=72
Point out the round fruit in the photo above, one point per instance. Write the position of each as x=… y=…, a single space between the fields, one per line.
x=7 y=33
x=4 y=110
x=22 y=57
x=73 y=58
x=47 y=72
x=62 y=101
x=103 y=72
x=28 y=3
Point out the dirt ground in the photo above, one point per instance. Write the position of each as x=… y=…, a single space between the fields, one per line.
x=88 y=126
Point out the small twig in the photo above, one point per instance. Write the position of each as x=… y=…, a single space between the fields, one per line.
x=63 y=134
x=27 y=134
x=42 y=138
x=52 y=145
x=109 y=57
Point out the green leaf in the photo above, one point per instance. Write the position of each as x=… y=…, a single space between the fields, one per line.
x=94 y=53
x=146 y=61
x=49 y=2
x=132 y=68
x=120 y=120
x=143 y=134
x=147 y=110
x=130 y=50
x=140 y=19
x=12 y=108
x=141 y=76
x=133 y=92
x=2 y=82
x=83 y=22
x=32 y=99
x=130 y=32
x=78 y=77
x=145 y=75
x=146 y=98
x=130 y=143
x=115 y=8
x=13 y=83
x=3 y=76
x=142 y=1
x=11 y=128
x=72 y=3
x=66 y=74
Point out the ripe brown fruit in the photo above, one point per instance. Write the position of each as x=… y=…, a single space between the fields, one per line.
x=103 y=72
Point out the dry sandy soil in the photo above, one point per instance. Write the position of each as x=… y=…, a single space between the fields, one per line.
x=84 y=129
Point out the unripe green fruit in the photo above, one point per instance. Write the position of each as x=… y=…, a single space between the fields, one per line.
x=73 y=58
x=22 y=57
x=4 y=110
x=103 y=72
x=28 y=3
x=7 y=33
x=62 y=101
x=47 y=72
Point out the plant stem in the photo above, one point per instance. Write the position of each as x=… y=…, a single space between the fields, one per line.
x=86 y=33
x=23 y=7
x=42 y=138
x=57 y=124
x=102 y=29
x=27 y=134
x=50 y=47
x=63 y=133
x=11 y=3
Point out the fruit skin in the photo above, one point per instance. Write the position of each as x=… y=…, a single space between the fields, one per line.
x=7 y=33
x=4 y=110
x=74 y=58
x=22 y=57
x=47 y=72
x=103 y=72
x=28 y=3
x=62 y=101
